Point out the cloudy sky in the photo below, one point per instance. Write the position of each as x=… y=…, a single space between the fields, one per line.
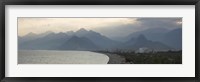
x=111 y=27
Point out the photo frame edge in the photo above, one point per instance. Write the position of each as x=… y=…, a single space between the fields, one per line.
x=99 y=79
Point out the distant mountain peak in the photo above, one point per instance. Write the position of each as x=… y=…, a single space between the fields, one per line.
x=78 y=43
x=70 y=32
x=60 y=33
x=82 y=30
x=46 y=33
x=31 y=34
x=91 y=31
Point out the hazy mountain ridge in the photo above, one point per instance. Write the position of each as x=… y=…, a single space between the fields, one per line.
x=78 y=43
x=142 y=42
x=153 y=34
x=50 y=41
x=91 y=40
x=171 y=38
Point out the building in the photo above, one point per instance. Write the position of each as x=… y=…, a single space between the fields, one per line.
x=144 y=50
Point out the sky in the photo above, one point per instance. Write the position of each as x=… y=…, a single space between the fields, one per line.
x=111 y=27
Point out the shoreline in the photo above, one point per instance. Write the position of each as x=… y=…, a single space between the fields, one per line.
x=115 y=59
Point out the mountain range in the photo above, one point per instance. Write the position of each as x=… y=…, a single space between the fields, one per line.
x=156 y=39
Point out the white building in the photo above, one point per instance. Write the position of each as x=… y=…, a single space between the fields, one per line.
x=144 y=50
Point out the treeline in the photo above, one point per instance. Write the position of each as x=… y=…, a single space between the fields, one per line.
x=154 y=57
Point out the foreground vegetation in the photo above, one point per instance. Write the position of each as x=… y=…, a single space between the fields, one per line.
x=161 y=57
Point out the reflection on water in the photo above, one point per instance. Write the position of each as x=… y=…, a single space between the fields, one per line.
x=60 y=57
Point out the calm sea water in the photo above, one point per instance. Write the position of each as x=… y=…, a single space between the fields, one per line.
x=60 y=57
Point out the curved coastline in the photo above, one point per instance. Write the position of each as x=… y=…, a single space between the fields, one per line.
x=61 y=57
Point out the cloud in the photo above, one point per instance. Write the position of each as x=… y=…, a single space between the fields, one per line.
x=168 y=23
x=111 y=27
x=39 y=25
x=142 y=24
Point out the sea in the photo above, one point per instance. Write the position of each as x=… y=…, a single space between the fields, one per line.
x=61 y=57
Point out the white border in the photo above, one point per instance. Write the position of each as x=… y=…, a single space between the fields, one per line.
x=187 y=69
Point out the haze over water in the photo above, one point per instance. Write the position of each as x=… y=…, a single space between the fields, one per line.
x=60 y=57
